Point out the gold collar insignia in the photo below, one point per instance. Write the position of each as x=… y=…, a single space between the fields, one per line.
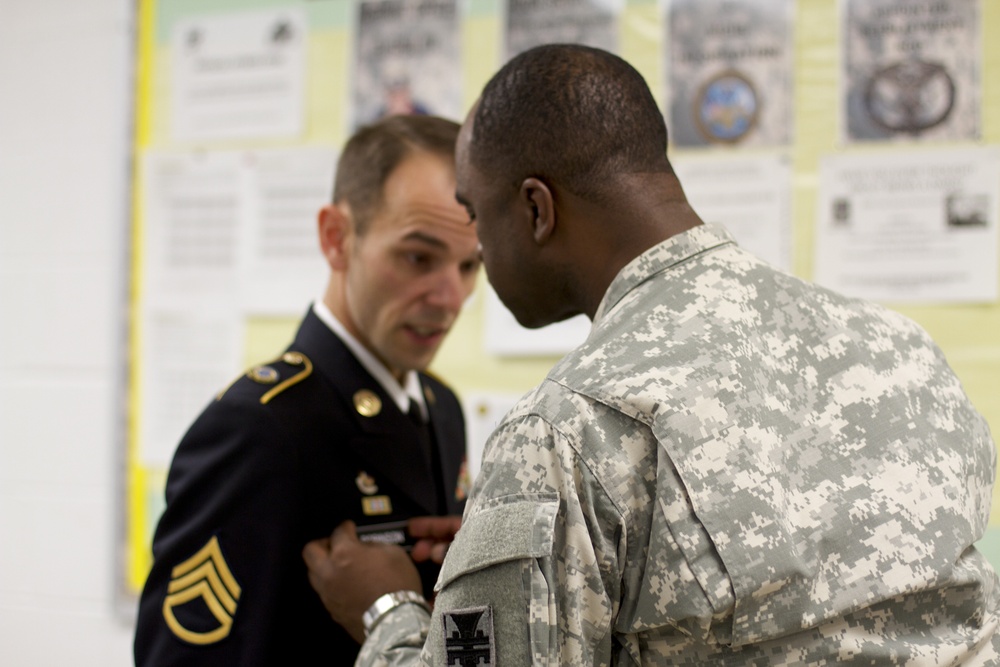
x=367 y=403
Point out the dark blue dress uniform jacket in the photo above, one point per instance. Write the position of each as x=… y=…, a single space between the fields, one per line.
x=253 y=481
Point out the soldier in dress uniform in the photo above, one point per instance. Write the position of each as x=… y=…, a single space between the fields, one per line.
x=343 y=425
x=737 y=467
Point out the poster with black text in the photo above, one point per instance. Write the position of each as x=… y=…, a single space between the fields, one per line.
x=729 y=72
x=911 y=70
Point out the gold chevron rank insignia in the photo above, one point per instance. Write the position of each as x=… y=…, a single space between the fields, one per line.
x=206 y=576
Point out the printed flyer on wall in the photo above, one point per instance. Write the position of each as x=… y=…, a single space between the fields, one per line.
x=910 y=227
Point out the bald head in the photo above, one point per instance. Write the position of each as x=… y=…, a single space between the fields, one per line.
x=563 y=163
x=571 y=115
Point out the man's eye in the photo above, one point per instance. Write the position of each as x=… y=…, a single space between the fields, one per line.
x=470 y=266
x=416 y=258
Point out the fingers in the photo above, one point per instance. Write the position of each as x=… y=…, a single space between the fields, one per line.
x=345 y=532
x=315 y=552
x=434 y=534
x=435 y=527
x=429 y=550
x=421 y=550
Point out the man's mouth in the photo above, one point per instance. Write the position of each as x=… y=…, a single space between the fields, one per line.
x=427 y=332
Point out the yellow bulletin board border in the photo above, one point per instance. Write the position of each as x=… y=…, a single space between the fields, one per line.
x=138 y=558
x=967 y=334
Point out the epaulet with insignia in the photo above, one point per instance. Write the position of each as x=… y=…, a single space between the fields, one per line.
x=267 y=374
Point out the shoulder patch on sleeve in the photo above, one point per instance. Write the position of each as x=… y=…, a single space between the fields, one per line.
x=468 y=637
x=202 y=597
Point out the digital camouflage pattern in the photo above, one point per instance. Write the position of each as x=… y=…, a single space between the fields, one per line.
x=736 y=468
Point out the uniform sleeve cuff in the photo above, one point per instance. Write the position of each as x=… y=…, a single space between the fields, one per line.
x=400 y=632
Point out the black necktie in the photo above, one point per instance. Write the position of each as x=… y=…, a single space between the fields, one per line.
x=425 y=435
x=429 y=451
x=414 y=414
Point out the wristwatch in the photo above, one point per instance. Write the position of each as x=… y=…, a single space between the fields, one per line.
x=388 y=602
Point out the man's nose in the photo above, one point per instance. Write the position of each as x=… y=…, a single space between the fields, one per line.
x=449 y=289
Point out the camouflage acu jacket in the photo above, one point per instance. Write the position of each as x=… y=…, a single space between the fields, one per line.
x=736 y=468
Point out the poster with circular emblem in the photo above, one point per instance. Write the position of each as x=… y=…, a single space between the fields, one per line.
x=911 y=70
x=729 y=72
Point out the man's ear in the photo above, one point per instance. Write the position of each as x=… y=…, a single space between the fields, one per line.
x=335 y=228
x=537 y=197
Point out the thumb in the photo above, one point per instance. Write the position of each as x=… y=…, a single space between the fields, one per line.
x=313 y=553
x=345 y=532
x=316 y=551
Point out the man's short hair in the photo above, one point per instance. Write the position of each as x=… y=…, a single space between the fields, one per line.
x=570 y=113
x=371 y=155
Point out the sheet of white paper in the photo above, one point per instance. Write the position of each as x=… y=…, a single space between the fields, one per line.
x=504 y=336
x=192 y=219
x=187 y=358
x=913 y=227
x=749 y=195
x=483 y=412
x=239 y=75
x=282 y=265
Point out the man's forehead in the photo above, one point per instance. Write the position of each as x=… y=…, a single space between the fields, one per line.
x=442 y=238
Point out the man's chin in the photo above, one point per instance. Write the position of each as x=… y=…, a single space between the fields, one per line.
x=416 y=362
x=537 y=320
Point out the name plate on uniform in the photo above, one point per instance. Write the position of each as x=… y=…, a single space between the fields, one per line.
x=390 y=532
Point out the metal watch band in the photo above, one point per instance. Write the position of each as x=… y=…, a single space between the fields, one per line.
x=388 y=602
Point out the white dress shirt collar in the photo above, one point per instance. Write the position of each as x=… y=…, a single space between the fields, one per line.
x=401 y=394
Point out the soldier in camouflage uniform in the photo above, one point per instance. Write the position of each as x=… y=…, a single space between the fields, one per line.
x=736 y=468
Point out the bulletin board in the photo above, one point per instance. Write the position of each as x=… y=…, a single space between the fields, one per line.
x=792 y=122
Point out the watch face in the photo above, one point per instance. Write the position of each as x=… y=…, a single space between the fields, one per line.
x=726 y=107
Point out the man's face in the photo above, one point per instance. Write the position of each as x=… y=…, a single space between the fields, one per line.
x=407 y=276
x=505 y=239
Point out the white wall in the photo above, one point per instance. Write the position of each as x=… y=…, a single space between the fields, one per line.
x=64 y=138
